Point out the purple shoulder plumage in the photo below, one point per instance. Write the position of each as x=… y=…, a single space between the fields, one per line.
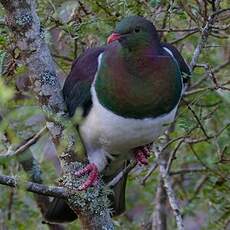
x=76 y=90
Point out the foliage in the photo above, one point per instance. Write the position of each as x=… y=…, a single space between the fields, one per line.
x=69 y=27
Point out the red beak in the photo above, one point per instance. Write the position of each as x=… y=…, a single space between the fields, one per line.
x=113 y=37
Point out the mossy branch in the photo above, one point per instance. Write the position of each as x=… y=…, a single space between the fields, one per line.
x=37 y=188
x=23 y=21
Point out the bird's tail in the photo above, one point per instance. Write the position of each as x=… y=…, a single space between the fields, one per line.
x=117 y=197
x=59 y=212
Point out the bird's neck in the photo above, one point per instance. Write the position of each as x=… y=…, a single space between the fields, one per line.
x=132 y=84
x=142 y=49
x=136 y=57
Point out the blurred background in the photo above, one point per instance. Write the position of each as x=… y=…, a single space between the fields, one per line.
x=199 y=138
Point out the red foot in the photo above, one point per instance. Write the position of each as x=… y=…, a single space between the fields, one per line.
x=142 y=153
x=92 y=178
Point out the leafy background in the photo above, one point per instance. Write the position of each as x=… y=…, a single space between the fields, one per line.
x=69 y=27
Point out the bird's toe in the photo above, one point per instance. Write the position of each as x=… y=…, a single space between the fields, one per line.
x=141 y=154
x=92 y=179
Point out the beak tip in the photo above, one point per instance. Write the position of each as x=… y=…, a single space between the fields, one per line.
x=113 y=37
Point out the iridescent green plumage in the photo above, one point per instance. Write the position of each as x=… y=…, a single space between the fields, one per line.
x=137 y=78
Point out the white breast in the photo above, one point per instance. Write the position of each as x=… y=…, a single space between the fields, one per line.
x=103 y=130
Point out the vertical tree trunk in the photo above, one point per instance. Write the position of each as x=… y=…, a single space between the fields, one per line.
x=24 y=23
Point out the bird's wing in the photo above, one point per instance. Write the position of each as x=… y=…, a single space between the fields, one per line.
x=184 y=68
x=76 y=90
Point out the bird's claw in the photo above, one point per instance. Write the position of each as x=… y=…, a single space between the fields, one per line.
x=92 y=179
x=142 y=153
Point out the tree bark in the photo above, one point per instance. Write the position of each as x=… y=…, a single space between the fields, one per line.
x=160 y=214
x=28 y=35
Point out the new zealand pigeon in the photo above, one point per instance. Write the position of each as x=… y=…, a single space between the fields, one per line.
x=129 y=91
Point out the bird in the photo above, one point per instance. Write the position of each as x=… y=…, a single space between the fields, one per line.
x=129 y=91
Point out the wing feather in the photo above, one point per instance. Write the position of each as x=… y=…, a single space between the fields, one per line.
x=184 y=68
x=76 y=90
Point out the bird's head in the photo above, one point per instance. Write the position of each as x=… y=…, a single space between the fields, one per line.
x=135 y=32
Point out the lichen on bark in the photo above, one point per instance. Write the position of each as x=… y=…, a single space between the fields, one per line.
x=90 y=205
x=24 y=23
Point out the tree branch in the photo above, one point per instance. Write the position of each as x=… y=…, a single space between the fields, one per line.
x=149 y=173
x=169 y=190
x=40 y=189
x=120 y=175
x=206 y=30
x=159 y=221
x=189 y=170
x=24 y=146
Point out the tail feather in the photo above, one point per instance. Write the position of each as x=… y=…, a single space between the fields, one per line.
x=59 y=212
x=117 y=198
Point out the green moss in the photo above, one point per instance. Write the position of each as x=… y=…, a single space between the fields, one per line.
x=93 y=201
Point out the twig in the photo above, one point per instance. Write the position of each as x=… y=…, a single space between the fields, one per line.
x=197 y=119
x=182 y=138
x=41 y=189
x=222 y=86
x=218 y=68
x=184 y=37
x=204 y=37
x=222 y=157
x=215 y=70
x=149 y=173
x=170 y=192
x=195 y=91
x=216 y=172
x=178 y=30
x=4 y=140
x=120 y=175
x=198 y=187
x=10 y=204
x=70 y=60
x=202 y=139
x=209 y=73
x=172 y=156
x=25 y=146
x=105 y=8
x=32 y=168
x=189 y=170
x=159 y=220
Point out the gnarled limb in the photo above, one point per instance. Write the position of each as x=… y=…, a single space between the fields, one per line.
x=24 y=23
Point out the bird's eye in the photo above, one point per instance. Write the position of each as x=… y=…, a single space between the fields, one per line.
x=137 y=30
